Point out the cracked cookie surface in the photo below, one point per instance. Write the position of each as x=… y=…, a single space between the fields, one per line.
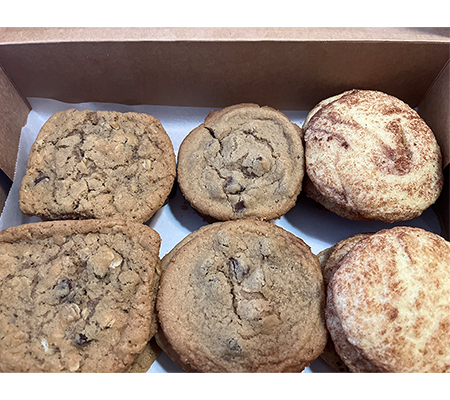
x=244 y=161
x=77 y=296
x=104 y=164
x=388 y=303
x=369 y=156
x=242 y=296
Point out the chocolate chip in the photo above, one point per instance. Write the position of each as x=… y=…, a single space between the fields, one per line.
x=238 y=270
x=81 y=339
x=40 y=179
x=239 y=206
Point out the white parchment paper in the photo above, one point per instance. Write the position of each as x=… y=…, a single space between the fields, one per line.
x=319 y=228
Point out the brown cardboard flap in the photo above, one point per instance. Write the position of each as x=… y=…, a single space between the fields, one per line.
x=434 y=108
x=283 y=74
x=13 y=116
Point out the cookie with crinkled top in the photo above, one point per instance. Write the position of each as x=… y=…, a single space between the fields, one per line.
x=388 y=307
x=369 y=156
x=242 y=296
x=104 y=164
x=243 y=161
x=77 y=296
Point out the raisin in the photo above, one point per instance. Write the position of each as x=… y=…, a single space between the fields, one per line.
x=40 y=179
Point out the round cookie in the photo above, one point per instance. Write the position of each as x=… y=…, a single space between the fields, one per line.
x=243 y=161
x=104 y=164
x=243 y=296
x=77 y=296
x=388 y=303
x=369 y=156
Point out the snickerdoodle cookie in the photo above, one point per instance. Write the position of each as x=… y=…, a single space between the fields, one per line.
x=369 y=156
x=388 y=307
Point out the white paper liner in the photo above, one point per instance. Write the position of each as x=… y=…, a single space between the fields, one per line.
x=319 y=228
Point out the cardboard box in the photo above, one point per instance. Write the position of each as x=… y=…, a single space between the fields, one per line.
x=286 y=68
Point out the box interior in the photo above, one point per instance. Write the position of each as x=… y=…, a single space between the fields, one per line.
x=286 y=68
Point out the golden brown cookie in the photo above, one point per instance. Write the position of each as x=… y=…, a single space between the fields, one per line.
x=369 y=156
x=104 y=164
x=243 y=296
x=388 y=303
x=244 y=161
x=77 y=296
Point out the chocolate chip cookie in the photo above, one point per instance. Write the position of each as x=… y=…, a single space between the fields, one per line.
x=242 y=296
x=104 y=164
x=369 y=156
x=243 y=161
x=77 y=296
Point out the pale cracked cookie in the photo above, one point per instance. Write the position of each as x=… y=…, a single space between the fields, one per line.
x=388 y=303
x=76 y=296
x=243 y=161
x=242 y=296
x=329 y=258
x=369 y=156
x=104 y=164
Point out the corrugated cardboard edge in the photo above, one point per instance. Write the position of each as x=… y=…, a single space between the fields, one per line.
x=434 y=108
x=87 y=34
x=14 y=110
